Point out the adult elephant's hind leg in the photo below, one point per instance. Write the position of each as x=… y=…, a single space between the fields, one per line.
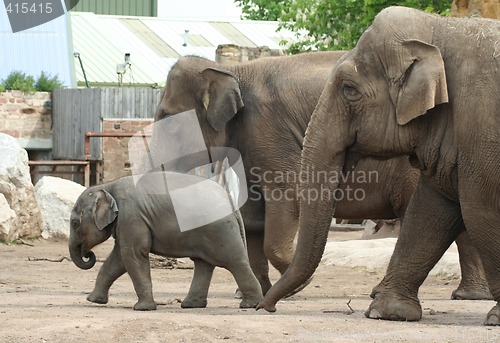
x=482 y=224
x=198 y=292
x=473 y=285
x=431 y=224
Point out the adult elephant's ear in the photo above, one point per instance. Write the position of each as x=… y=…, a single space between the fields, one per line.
x=421 y=81
x=105 y=209
x=222 y=96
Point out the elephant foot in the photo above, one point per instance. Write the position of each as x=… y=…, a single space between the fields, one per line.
x=145 y=305
x=493 y=317
x=194 y=303
x=238 y=294
x=301 y=287
x=250 y=302
x=394 y=307
x=98 y=298
x=471 y=293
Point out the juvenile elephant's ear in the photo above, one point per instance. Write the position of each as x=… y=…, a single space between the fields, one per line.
x=105 y=209
x=421 y=81
x=222 y=96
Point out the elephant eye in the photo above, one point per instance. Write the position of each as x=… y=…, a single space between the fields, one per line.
x=351 y=92
x=75 y=223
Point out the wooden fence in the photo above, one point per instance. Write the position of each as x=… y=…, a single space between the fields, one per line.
x=77 y=111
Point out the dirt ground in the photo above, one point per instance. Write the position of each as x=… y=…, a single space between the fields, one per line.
x=43 y=300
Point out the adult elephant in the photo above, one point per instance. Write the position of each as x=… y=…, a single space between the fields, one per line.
x=425 y=86
x=262 y=108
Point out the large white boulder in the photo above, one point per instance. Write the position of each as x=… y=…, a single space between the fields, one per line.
x=374 y=255
x=21 y=217
x=56 y=198
x=7 y=216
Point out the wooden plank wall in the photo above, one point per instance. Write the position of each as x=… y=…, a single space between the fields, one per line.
x=77 y=111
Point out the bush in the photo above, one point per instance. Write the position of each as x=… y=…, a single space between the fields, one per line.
x=17 y=80
x=45 y=83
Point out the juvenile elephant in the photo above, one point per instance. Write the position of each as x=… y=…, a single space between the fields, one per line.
x=142 y=222
x=428 y=87
x=262 y=108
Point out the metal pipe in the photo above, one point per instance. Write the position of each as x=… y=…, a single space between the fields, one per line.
x=77 y=55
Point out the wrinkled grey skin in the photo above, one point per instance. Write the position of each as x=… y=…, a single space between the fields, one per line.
x=262 y=109
x=142 y=223
x=428 y=87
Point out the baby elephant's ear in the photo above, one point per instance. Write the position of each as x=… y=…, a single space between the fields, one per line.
x=105 y=209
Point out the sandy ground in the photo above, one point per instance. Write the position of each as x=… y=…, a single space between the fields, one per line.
x=44 y=301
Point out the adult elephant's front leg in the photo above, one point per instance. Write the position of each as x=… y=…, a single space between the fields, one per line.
x=431 y=224
x=280 y=230
x=253 y=213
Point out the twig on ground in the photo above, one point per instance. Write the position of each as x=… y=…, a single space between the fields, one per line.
x=22 y=241
x=48 y=259
x=350 y=308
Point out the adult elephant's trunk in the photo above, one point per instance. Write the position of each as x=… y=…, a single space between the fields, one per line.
x=75 y=251
x=322 y=163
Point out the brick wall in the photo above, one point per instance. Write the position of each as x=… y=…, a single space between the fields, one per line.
x=115 y=149
x=27 y=117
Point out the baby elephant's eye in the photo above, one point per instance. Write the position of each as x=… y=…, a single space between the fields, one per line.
x=351 y=92
x=75 y=223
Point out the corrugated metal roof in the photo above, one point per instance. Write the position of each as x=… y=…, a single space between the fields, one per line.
x=155 y=44
x=42 y=48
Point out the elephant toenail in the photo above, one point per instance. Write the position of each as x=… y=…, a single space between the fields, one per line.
x=374 y=314
x=492 y=320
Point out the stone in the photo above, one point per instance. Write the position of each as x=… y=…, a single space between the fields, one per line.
x=374 y=255
x=476 y=8
x=18 y=192
x=56 y=198
x=7 y=215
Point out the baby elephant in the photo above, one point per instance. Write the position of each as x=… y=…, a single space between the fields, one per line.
x=142 y=222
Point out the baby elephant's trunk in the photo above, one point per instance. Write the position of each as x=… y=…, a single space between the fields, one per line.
x=75 y=251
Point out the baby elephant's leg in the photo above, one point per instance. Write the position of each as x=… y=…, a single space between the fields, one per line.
x=247 y=283
x=197 y=296
x=136 y=261
x=111 y=270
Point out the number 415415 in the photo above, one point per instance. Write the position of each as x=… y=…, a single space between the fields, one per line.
x=24 y=8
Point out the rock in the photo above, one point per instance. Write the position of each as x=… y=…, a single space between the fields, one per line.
x=18 y=192
x=383 y=229
x=7 y=215
x=56 y=198
x=374 y=255
x=481 y=8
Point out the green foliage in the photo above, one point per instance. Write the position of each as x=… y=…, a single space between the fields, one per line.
x=17 y=80
x=330 y=24
x=45 y=83
x=262 y=9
